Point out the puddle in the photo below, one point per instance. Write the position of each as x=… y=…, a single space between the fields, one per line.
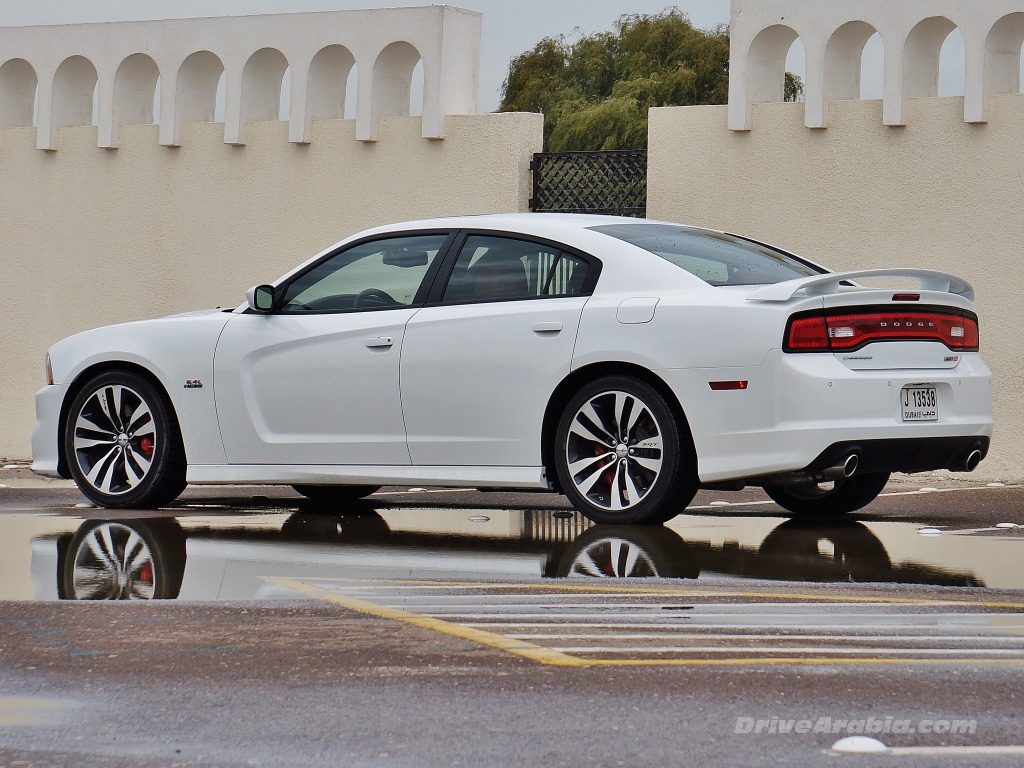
x=212 y=551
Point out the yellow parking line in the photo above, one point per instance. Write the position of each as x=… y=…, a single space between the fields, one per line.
x=551 y=657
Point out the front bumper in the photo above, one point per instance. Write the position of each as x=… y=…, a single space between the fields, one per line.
x=46 y=434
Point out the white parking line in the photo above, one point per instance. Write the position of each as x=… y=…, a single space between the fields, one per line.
x=716 y=636
x=609 y=625
x=950 y=751
x=804 y=650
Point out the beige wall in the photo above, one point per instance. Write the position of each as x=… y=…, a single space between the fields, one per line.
x=91 y=236
x=938 y=193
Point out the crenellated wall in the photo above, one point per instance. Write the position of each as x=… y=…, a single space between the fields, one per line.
x=122 y=63
x=834 y=34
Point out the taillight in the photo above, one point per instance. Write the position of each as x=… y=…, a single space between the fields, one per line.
x=807 y=334
x=845 y=331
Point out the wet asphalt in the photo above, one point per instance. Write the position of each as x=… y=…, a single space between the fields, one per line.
x=411 y=631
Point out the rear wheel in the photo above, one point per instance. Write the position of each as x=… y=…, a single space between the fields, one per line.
x=622 y=455
x=122 y=443
x=829 y=499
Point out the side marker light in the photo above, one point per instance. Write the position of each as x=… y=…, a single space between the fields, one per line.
x=727 y=386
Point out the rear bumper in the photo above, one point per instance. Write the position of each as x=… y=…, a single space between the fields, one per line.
x=903 y=455
x=802 y=411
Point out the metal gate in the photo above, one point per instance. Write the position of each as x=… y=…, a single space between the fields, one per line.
x=612 y=182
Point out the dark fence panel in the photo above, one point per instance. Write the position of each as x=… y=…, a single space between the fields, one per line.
x=613 y=182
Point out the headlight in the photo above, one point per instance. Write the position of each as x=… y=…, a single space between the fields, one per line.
x=49 y=371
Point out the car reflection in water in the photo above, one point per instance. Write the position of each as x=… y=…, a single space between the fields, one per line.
x=227 y=559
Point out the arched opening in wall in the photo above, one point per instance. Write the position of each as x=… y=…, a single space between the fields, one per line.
x=284 y=108
x=74 y=94
x=796 y=72
x=261 y=85
x=221 y=99
x=1004 y=64
x=331 y=85
x=952 y=65
x=416 y=90
x=19 y=94
x=872 y=69
x=392 y=79
x=198 y=91
x=352 y=94
x=767 y=63
x=844 y=60
x=135 y=86
x=922 y=55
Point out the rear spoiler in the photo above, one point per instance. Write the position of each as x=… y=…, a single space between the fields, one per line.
x=821 y=285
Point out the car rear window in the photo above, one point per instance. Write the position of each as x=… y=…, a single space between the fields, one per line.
x=714 y=257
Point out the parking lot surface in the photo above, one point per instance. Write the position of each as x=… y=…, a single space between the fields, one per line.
x=457 y=627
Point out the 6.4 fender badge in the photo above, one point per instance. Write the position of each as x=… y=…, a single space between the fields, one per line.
x=194 y=384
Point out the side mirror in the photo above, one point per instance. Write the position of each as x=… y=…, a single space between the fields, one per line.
x=260 y=298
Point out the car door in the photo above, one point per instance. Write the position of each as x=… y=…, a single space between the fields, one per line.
x=480 y=362
x=315 y=381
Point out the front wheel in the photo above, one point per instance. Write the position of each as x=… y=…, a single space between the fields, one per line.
x=622 y=454
x=122 y=443
x=829 y=499
x=124 y=560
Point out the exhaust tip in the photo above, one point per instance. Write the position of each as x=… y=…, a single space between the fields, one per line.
x=973 y=460
x=853 y=461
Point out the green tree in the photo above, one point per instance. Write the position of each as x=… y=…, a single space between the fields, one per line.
x=595 y=92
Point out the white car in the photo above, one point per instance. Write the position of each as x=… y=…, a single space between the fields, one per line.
x=624 y=363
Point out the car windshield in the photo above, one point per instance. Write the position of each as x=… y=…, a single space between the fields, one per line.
x=716 y=258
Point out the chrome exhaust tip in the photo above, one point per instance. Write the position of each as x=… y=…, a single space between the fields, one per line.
x=851 y=464
x=842 y=470
x=973 y=460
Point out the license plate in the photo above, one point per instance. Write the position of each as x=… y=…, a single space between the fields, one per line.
x=919 y=404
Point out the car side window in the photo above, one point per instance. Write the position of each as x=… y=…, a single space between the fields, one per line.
x=504 y=269
x=380 y=274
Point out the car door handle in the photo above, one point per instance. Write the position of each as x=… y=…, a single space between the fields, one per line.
x=380 y=341
x=553 y=327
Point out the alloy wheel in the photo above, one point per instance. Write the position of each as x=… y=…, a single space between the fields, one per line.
x=113 y=562
x=115 y=439
x=614 y=450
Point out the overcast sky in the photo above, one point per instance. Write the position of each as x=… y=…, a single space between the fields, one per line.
x=510 y=26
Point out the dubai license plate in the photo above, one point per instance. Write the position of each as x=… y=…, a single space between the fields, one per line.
x=919 y=404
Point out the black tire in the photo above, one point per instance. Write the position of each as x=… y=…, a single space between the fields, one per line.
x=124 y=560
x=844 y=496
x=624 y=552
x=623 y=479
x=118 y=458
x=335 y=494
x=313 y=526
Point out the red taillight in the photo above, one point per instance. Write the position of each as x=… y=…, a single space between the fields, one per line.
x=806 y=334
x=840 y=332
